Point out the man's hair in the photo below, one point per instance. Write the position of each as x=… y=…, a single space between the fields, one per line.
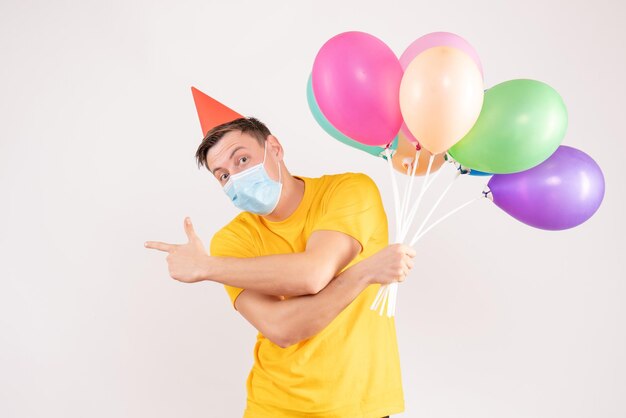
x=249 y=125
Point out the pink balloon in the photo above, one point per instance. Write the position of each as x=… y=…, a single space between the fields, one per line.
x=356 y=82
x=407 y=133
x=439 y=39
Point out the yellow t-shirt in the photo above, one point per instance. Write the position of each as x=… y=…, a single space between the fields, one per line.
x=352 y=367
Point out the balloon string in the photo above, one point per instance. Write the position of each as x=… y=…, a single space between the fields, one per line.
x=392 y=296
x=390 y=291
x=393 y=290
x=443 y=218
x=406 y=193
x=387 y=294
x=377 y=299
x=432 y=180
x=409 y=185
x=432 y=210
x=383 y=291
x=407 y=223
x=383 y=299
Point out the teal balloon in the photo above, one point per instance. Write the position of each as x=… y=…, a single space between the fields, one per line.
x=479 y=173
x=467 y=170
x=521 y=124
x=335 y=133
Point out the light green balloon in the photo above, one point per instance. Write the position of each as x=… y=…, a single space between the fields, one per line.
x=522 y=122
x=335 y=133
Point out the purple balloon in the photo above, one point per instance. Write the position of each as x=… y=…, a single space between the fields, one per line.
x=560 y=193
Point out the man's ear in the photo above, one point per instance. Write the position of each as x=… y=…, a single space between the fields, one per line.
x=275 y=147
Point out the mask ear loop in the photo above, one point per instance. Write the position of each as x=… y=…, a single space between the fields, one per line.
x=279 y=174
x=279 y=177
x=279 y=171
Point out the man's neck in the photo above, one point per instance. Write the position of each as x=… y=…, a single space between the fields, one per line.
x=290 y=197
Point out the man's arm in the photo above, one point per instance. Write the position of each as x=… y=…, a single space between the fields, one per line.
x=303 y=273
x=289 y=321
x=326 y=253
x=286 y=322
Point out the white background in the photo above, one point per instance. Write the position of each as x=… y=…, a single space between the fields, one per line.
x=98 y=132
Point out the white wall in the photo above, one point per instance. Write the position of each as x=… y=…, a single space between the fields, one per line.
x=98 y=132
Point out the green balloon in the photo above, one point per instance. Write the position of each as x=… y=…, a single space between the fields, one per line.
x=522 y=122
x=335 y=133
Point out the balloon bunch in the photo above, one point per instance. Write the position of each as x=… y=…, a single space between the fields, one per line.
x=430 y=107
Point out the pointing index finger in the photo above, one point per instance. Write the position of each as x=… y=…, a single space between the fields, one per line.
x=161 y=246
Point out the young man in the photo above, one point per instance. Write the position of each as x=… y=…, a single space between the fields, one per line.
x=302 y=263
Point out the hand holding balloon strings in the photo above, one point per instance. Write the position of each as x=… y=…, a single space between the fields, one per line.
x=387 y=294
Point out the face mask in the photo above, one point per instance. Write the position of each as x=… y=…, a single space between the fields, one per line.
x=253 y=190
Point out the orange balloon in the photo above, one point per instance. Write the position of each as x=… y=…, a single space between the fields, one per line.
x=405 y=154
x=441 y=95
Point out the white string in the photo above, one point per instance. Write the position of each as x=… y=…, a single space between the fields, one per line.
x=381 y=296
x=376 y=299
x=406 y=194
x=384 y=299
x=387 y=294
x=391 y=310
x=443 y=218
x=434 y=177
x=406 y=224
x=409 y=185
x=432 y=210
x=393 y=293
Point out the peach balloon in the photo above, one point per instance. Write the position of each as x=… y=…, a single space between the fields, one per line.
x=405 y=154
x=441 y=95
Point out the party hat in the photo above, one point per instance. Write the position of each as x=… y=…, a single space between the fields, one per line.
x=211 y=112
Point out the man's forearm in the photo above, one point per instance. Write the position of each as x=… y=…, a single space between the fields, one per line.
x=302 y=317
x=291 y=274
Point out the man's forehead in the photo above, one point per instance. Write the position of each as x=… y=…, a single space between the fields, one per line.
x=231 y=140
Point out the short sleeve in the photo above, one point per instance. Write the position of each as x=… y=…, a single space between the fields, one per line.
x=232 y=243
x=353 y=206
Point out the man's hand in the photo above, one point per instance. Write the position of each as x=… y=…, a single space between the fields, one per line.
x=391 y=264
x=186 y=262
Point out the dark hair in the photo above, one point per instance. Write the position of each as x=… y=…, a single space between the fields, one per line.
x=249 y=125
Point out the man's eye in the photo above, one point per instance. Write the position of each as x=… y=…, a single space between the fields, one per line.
x=223 y=176
x=243 y=159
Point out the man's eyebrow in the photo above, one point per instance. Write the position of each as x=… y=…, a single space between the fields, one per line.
x=231 y=156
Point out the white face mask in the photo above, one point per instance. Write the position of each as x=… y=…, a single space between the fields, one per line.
x=253 y=190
